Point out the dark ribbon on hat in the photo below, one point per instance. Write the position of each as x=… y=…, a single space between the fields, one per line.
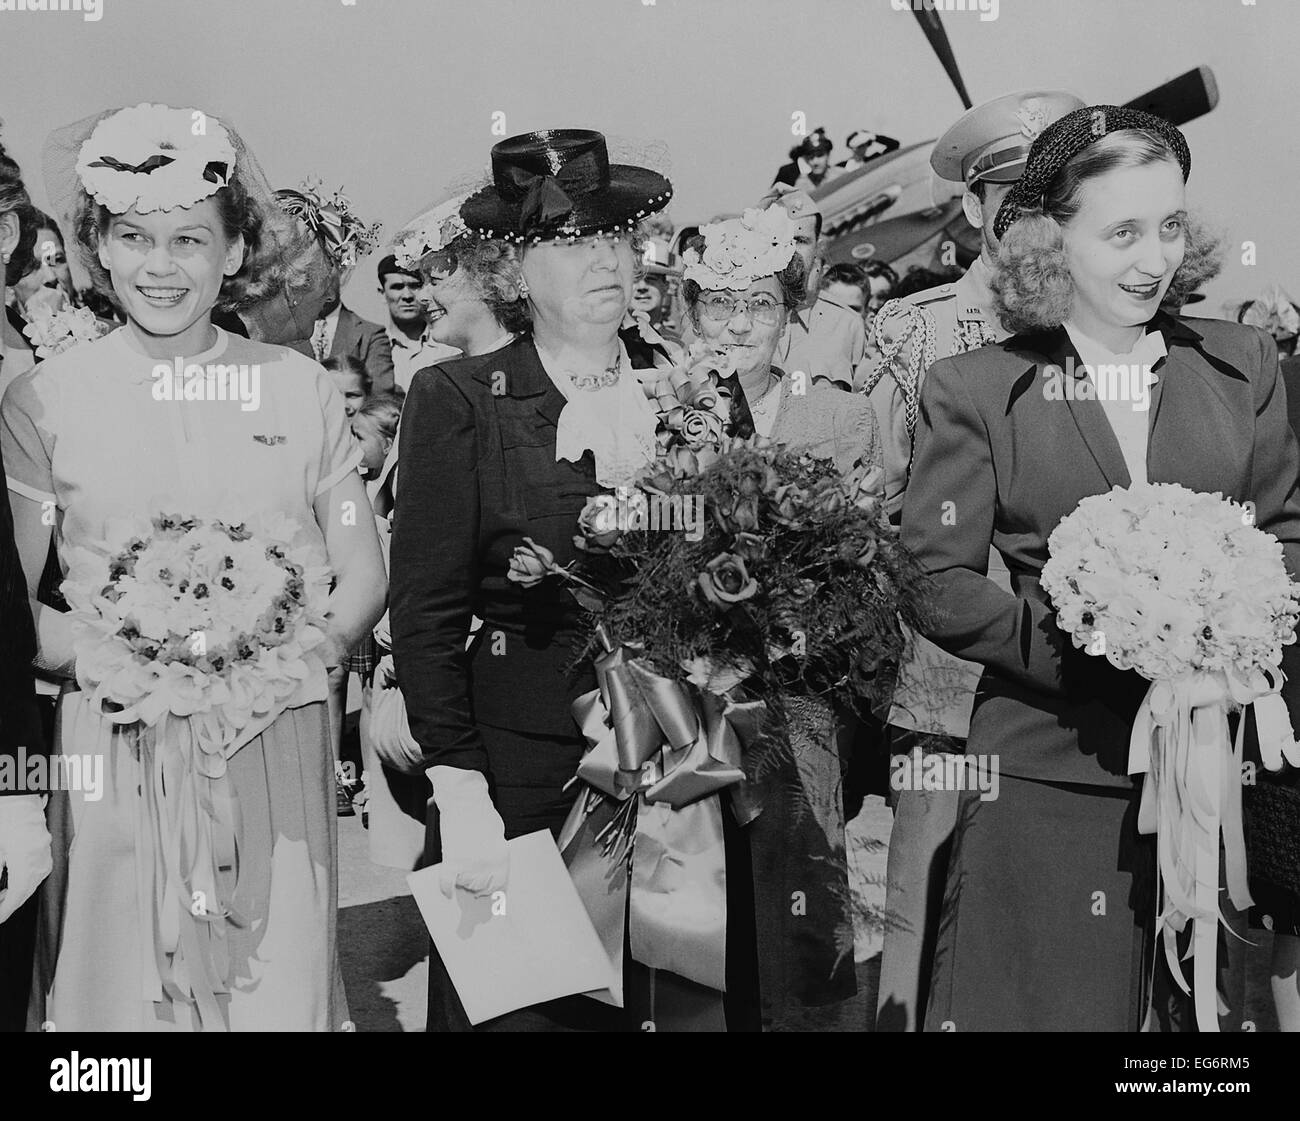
x=547 y=199
x=215 y=172
x=740 y=423
x=1064 y=139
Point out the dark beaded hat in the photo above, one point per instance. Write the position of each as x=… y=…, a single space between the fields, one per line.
x=559 y=183
x=1064 y=139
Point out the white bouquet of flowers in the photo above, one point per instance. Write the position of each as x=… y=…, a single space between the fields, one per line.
x=193 y=635
x=1184 y=588
x=53 y=332
x=203 y=619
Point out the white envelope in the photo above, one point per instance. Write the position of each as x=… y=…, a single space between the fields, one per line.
x=529 y=943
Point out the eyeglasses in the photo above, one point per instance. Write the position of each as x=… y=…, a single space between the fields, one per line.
x=720 y=307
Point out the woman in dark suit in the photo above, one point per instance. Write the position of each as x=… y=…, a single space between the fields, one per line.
x=493 y=449
x=24 y=848
x=1049 y=897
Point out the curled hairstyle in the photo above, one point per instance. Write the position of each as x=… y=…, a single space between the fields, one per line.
x=491 y=266
x=14 y=199
x=262 y=270
x=1032 y=286
x=792 y=279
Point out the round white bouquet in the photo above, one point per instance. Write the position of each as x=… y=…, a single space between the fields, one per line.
x=203 y=619
x=1167 y=581
x=1185 y=589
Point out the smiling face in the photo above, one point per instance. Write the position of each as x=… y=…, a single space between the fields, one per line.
x=457 y=312
x=1123 y=247
x=167 y=268
x=752 y=341
x=580 y=286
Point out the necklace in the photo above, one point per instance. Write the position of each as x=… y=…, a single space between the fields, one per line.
x=607 y=377
x=589 y=382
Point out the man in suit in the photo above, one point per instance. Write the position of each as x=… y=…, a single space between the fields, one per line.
x=340 y=332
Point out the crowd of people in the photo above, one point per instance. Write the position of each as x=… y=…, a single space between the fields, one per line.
x=529 y=320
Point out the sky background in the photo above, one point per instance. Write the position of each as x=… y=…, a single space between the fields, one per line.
x=393 y=99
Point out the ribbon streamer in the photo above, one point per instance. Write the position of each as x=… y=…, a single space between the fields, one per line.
x=186 y=843
x=644 y=844
x=1192 y=798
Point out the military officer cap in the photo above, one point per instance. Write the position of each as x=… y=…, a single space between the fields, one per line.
x=991 y=141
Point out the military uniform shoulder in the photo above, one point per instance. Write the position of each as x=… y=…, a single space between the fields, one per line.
x=929 y=295
x=898 y=318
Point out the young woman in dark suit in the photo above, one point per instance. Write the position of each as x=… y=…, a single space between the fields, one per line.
x=500 y=447
x=1049 y=895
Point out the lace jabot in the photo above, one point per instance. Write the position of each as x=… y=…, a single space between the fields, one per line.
x=615 y=423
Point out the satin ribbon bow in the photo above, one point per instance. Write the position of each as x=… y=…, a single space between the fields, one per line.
x=1192 y=797
x=214 y=172
x=661 y=755
x=548 y=198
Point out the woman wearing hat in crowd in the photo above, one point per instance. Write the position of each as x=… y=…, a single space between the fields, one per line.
x=172 y=222
x=493 y=449
x=742 y=279
x=474 y=293
x=741 y=308
x=1049 y=903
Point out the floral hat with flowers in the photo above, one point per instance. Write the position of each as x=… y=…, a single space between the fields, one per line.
x=739 y=251
x=154 y=157
x=340 y=231
x=433 y=230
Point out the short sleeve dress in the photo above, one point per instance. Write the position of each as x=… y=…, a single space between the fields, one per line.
x=97 y=432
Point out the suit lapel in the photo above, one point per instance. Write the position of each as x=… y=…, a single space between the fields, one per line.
x=526 y=380
x=1088 y=415
x=1188 y=397
x=341 y=343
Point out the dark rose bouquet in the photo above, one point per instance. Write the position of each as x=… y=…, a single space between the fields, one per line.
x=746 y=563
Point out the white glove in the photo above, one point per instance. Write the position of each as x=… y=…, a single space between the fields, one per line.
x=24 y=849
x=474 y=853
x=383 y=633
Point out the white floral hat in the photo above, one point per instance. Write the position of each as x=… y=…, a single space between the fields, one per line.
x=154 y=157
x=435 y=229
x=739 y=251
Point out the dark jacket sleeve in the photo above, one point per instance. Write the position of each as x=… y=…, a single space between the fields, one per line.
x=20 y=725
x=377 y=354
x=435 y=568
x=1274 y=469
x=948 y=522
